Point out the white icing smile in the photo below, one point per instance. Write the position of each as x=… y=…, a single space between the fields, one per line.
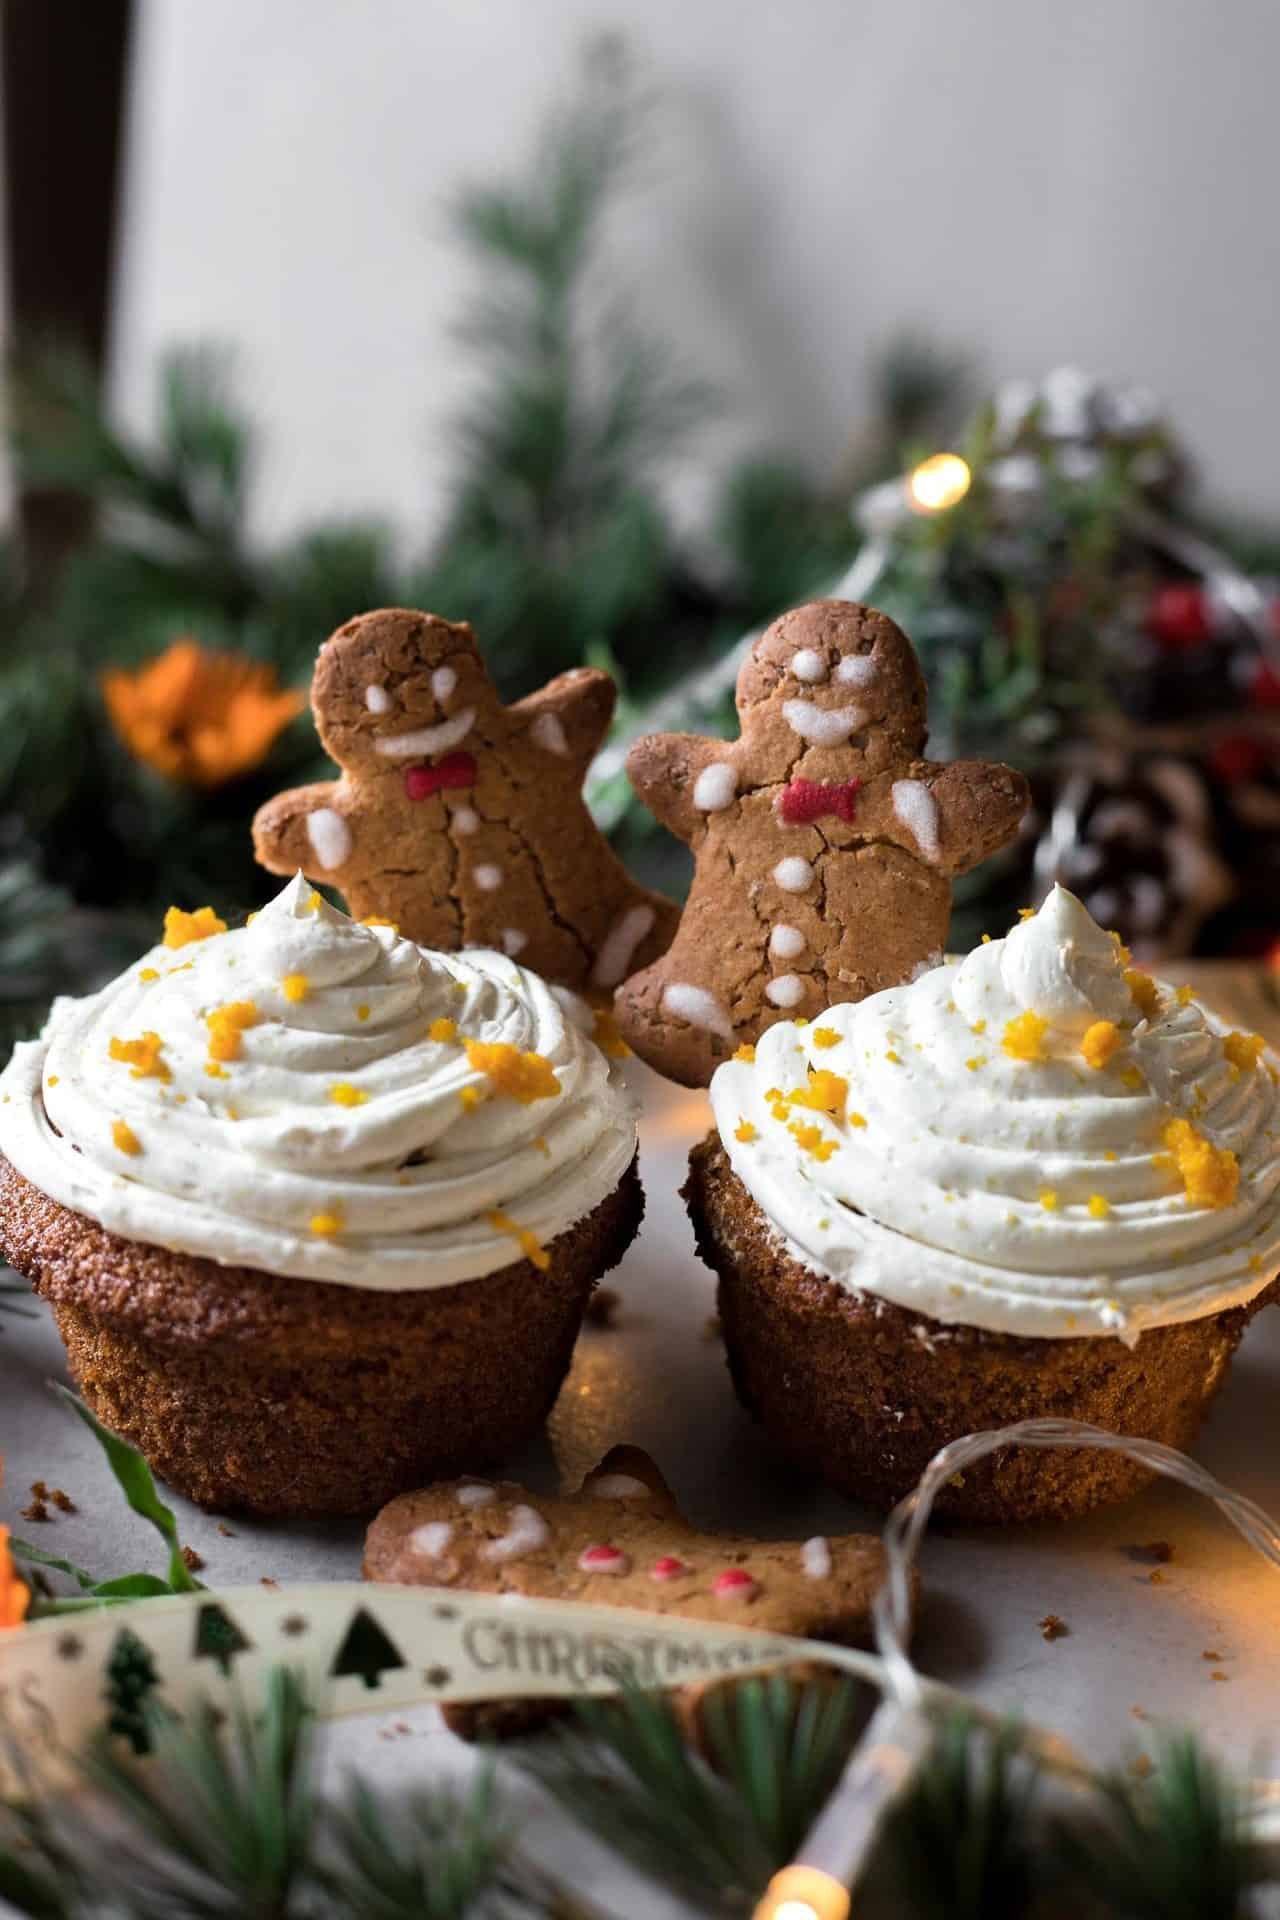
x=821 y=726
x=427 y=740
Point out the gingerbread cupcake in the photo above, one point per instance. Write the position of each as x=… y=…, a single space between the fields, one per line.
x=317 y=1211
x=1030 y=1183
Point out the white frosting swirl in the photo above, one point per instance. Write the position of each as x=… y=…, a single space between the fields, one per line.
x=387 y=1185
x=1022 y=1196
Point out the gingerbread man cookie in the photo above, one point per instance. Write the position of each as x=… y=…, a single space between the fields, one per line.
x=620 y=1541
x=460 y=819
x=824 y=843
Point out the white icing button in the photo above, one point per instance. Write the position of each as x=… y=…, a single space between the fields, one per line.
x=815 y=1556
x=857 y=669
x=488 y=878
x=786 y=991
x=528 y=1531
x=821 y=726
x=618 y=945
x=617 y=1486
x=547 y=732
x=477 y=1493
x=785 y=943
x=464 y=819
x=432 y=1539
x=794 y=874
x=377 y=699
x=715 y=787
x=443 y=682
x=808 y=665
x=513 y=941
x=917 y=809
x=696 y=1006
x=330 y=837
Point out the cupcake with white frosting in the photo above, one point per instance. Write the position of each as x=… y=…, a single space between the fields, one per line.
x=1034 y=1182
x=318 y=1211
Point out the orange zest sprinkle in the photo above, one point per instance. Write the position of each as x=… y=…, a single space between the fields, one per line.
x=892 y=1057
x=975 y=1061
x=1099 y=1206
x=1048 y=1199
x=1144 y=990
x=380 y=920
x=1132 y=1077
x=812 y=1139
x=362 y=1011
x=746 y=1052
x=1100 y=1042
x=124 y=1138
x=443 y=1031
x=142 y=1056
x=822 y=1037
x=825 y=1093
x=1183 y=996
x=526 y=1077
x=180 y=928
x=978 y=1026
x=313 y=901
x=1210 y=1175
x=530 y=1245
x=1123 y=954
x=1243 y=1050
x=15 y=1597
x=226 y=1025
x=1109 y=1154
x=608 y=1036
x=325 y=1225
x=857 y=1119
x=295 y=987
x=744 y=1131
x=52 y=1080
x=343 y=1094
x=540 y=1143
x=470 y=1097
x=1024 y=1036
x=986 y=939
x=148 y=974
x=215 y=1072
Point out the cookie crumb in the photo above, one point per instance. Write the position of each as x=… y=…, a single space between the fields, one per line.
x=1140 y=1713
x=191 y=1560
x=602 y=1307
x=225 y=1530
x=267 y=1581
x=1156 y=1577
x=1053 y=1627
x=1218 y=1674
x=35 y=1510
x=39 y=1491
x=1142 y=1766
x=1210 y=1653
x=62 y=1501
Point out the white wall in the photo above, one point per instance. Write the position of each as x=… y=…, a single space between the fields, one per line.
x=1044 y=181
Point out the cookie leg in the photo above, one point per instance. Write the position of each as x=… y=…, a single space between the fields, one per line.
x=678 y=1025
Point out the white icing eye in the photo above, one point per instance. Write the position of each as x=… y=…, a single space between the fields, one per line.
x=856 y=669
x=786 y=991
x=794 y=874
x=488 y=878
x=377 y=699
x=443 y=682
x=715 y=787
x=808 y=665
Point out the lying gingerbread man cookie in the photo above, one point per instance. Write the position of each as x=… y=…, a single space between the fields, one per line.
x=620 y=1541
x=460 y=819
x=824 y=843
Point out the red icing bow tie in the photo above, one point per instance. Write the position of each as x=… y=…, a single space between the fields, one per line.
x=804 y=801
x=455 y=770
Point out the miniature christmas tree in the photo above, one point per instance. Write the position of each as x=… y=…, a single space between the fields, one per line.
x=218 y=1637
x=366 y=1650
x=131 y=1678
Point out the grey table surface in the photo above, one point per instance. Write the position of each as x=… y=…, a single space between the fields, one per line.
x=1136 y=1651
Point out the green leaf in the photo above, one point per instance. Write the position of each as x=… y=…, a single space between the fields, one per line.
x=134 y=1478
x=37 y=1557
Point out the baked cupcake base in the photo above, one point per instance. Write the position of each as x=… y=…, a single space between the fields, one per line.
x=864 y=1392
x=251 y=1392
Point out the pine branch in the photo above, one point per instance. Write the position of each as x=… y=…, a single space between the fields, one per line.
x=961 y=1844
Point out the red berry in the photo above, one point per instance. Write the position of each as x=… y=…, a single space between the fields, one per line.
x=667 y=1567
x=1178 y=617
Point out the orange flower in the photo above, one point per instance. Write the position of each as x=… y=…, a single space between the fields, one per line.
x=14 y=1597
x=199 y=718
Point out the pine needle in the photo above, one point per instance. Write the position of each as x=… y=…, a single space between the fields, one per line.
x=960 y=1845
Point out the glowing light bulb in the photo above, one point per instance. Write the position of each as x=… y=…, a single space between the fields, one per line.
x=939 y=482
x=803 y=1893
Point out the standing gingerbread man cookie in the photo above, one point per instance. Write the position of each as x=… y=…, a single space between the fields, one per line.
x=824 y=843
x=460 y=819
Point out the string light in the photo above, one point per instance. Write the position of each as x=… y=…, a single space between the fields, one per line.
x=803 y=1893
x=939 y=482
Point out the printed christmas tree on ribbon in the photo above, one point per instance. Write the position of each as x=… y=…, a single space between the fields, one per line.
x=366 y=1650
x=131 y=1678
x=217 y=1637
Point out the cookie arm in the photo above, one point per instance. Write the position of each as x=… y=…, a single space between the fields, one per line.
x=306 y=827
x=953 y=815
x=664 y=767
x=569 y=717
